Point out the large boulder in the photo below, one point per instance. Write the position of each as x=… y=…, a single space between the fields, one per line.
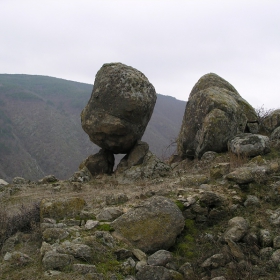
x=120 y=107
x=215 y=112
x=271 y=121
x=249 y=144
x=152 y=226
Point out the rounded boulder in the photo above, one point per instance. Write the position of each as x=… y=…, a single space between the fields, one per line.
x=120 y=107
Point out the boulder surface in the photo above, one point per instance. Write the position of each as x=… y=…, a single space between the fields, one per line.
x=120 y=107
x=152 y=226
x=215 y=112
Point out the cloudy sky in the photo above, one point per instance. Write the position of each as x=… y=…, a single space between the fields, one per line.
x=172 y=42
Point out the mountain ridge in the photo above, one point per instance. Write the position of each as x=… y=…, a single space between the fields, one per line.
x=40 y=129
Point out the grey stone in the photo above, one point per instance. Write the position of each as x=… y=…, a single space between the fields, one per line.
x=211 y=199
x=109 y=214
x=272 y=121
x=237 y=228
x=116 y=199
x=153 y=273
x=276 y=242
x=265 y=238
x=51 y=235
x=214 y=261
x=53 y=260
x=19 y=180
x=249 y=144
x=90 y=224
x=160 y=258
x=215 y=112
x=153 y=226
x=84 y=268
x=120 y=107
x=151 y=167
x=275 y=135
x=266 y=253
x=80 y=251
x=219 y=170
x=275 y=257
x=252 y=200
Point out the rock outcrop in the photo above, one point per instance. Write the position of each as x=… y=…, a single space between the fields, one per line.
x=215 y=112
x=152 y=226
x=272 y=121
x=119 y=109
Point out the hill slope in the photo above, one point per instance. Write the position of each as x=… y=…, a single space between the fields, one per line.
x=40 y=130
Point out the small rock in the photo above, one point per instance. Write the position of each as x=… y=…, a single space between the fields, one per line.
x=266 y=253
x=160 y=258
x=214 y=261
x=265 y=238
x=237 y=228
x=116 y=199
x=276 y=242
x=84 y=268
x=90 y=224
x=109 y=214
x=53 y=260
x=275 y=257
x=252 y=200
x=140 y=255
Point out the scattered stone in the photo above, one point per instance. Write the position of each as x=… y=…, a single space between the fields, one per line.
x=48 y=179
x=237 y=228
x=109 y=214
x=153 y=272
x=153 y=226
x=219 y=170
x=215 y=112
x=106 y=238
x=140 y=255
x=90 y=224
x=235 y=250
x=250 y=145
x=120 y=107
x=274 y=218
x=211 y=199
x=265 y=238
x=252 y=200
x=84 y=268
x=275 y=257
x=215 y=261
x=209 y=156
x=266 y=253
x=52 y=235
x=3 y=183
x=79 y=251
x=128 y=266
x=19 y=180
x=17 y=258
x=276 y=242
x=53 y=260
x=151 y=167
x=123 y=254
x=160 y=258
x=186 y=270
x=50 y=273
x=116 y=199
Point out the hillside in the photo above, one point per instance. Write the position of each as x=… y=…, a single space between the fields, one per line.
x=40 y=130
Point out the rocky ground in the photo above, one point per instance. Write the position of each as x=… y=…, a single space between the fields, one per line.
x=214 y=218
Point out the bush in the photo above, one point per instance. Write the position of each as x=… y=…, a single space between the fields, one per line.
x=22 y=221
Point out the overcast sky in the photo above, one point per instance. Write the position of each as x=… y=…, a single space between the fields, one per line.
x=173 y=43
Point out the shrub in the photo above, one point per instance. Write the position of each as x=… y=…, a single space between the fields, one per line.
x=22 y=221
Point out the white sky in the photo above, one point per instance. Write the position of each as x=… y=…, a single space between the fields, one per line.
x=172 y=42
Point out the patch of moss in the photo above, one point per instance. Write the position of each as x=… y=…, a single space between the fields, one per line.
x=105 y=227
x=180 y=205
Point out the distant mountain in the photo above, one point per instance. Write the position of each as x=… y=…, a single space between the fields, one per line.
x=40 y=127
